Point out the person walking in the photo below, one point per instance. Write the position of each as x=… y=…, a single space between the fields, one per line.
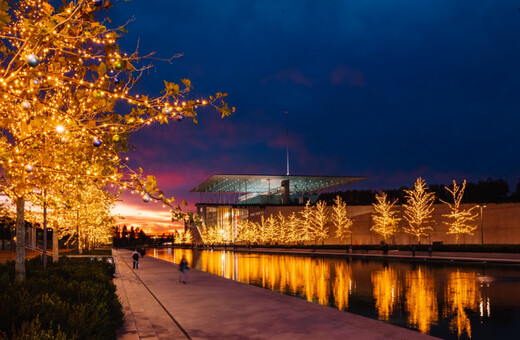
x=135 y=259
x=430 y=250
x=183 y=267
x=413 y=250
x=385 y=249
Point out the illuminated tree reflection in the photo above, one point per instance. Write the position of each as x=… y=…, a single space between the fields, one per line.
x=342 y=285
x=421 y=301
x=387 y=291
x=300 y=276
x=462 y=293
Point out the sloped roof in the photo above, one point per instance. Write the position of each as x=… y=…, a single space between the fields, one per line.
x=262 y=183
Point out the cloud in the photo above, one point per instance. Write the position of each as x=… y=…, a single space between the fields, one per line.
x=342 y=74
x=291 y=75
x=152 y=217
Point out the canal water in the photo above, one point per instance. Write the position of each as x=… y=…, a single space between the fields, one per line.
x=447 y=300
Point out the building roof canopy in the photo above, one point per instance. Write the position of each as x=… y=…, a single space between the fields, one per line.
x=265 y=183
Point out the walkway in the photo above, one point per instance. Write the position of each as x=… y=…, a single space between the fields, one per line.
x=157 y=306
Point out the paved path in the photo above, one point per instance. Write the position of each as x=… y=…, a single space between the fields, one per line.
x=157 y=306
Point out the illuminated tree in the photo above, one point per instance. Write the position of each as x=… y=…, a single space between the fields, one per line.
x=246 y=232
x=265 y=229
x=459 y=219
x=320 y=217
x=178 y=238
x=282 y=228
x=61 y=75
x=293 y=226
x=211 y=235
x=384 y=221
x=340 y=219
x=305 y=229
x=418 y=210
x=187 y=238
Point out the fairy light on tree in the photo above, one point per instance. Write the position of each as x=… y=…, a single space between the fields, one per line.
x=418 y=210
x=340 y=219
x=294 y=225
x=459 y=219
x=187 y=238
x=384 y=220
x=320 y=218
x=61 y=75
x=282 y=228
x=306 y=217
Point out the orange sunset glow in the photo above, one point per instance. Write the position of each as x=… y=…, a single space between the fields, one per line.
x=152 y=217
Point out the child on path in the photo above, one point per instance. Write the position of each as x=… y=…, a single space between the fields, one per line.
x=183 y=267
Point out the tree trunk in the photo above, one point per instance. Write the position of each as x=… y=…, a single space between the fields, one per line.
x=44 y=255
x=55 y=245
x=20 y=239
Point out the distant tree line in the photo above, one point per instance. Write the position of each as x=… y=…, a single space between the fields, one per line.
x=131 y=237
x=127 y=237
x=485 y=191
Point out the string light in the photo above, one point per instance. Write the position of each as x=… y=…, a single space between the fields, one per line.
x=58 y=76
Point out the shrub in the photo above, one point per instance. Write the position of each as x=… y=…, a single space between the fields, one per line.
x=72 y=299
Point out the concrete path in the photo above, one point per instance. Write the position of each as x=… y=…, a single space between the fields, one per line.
x=158 y=306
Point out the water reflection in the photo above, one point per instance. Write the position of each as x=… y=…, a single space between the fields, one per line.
x=387 y=291
x=421 y=300
x=446 y=301
x=342 y=284
x=462 y=293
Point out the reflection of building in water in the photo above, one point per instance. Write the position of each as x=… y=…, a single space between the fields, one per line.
x=462 y=293
x=387 y=291
x=421 y=301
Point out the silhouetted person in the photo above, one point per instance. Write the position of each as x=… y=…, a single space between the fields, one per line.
x=430 y=250
x=183 y=267
x=385 y=249
x=135 y=259
x=413 y=250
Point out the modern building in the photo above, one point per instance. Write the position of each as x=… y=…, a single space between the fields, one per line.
x=226 y=199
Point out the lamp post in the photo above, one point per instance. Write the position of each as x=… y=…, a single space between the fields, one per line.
x=481 y=206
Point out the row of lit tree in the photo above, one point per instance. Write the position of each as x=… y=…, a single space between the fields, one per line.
x=312 y=223
x=62 y=140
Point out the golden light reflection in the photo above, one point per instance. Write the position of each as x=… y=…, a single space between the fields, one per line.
x=174 y=255
x=387 y=291
x=462 y=293
x=301 y=276
x=342 y=284
x=421 y=301
x=426 y=298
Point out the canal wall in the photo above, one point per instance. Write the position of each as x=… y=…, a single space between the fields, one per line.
x=500 y=224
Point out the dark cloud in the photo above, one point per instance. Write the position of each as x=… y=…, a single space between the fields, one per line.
x=388 y=89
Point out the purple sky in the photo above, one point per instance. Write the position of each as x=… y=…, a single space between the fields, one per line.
x=387 y=89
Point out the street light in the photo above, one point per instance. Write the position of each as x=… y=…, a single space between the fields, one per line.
x=481 y=206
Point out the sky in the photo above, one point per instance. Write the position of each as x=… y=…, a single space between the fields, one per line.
x=385 y=89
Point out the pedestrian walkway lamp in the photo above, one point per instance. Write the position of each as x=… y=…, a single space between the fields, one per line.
x=481 y=206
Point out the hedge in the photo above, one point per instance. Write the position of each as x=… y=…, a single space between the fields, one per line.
x=72 y=299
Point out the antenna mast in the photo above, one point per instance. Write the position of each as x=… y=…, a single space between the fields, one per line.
x=287 y=139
